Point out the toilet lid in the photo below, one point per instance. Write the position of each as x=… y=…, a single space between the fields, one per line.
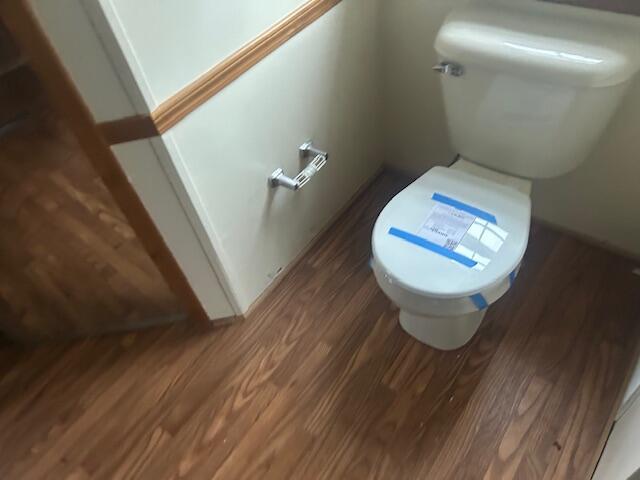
x=452 y=234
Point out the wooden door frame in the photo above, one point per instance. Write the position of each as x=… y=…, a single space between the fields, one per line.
x=21 y=21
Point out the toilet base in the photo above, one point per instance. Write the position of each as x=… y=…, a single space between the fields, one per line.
x=443 y=333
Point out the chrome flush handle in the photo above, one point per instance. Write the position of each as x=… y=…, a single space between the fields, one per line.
x=449 y=68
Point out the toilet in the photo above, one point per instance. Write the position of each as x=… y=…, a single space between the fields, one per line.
x=528 y=88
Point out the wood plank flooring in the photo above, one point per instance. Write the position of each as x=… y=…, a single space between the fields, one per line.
x=70 y=264
x=321 y=382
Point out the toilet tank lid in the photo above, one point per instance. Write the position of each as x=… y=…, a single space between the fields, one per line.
x=558 y=43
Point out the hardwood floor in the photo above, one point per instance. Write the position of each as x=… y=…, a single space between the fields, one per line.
x=321 y=382
x=70 y=264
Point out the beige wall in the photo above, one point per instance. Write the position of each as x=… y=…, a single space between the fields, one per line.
x=111 y=94
x=358 y=81
x=143 y=163
x=413 y=115
x=206 y=181
x=170 y=43
x=320 y=85
x=82 y=51
x=600 y=200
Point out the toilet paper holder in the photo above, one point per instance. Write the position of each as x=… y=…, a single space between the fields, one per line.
x=306 y=150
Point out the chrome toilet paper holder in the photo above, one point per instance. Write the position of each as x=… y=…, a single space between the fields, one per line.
x=306 y=150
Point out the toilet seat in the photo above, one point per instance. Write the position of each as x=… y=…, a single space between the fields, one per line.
x=418 y=267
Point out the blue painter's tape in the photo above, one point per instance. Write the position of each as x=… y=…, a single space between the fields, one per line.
x=479 y=301
x=424 y=243
x=512 y=278
x=452 y=202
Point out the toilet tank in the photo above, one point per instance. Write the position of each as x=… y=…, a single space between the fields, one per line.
x=531 y=86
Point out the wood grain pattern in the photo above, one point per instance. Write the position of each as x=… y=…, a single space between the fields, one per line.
x=321 y=382
x=70 y=264
x=23 y=25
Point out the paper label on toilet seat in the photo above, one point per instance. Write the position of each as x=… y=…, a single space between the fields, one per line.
x=445 y=226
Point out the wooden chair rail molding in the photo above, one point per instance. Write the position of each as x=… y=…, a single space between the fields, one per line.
x=177 y=107
x=25 y=28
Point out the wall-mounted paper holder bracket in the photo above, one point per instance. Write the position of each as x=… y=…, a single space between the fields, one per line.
x=306 y=150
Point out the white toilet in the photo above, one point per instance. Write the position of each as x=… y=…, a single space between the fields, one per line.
x=528 y=89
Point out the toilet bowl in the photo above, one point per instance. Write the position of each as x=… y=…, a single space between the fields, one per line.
x=444 y=292
x=528 y=89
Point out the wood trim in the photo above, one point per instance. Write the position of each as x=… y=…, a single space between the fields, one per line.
x=171 y=111
x=128 y=129
x=22 y=23
x=194 y=95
